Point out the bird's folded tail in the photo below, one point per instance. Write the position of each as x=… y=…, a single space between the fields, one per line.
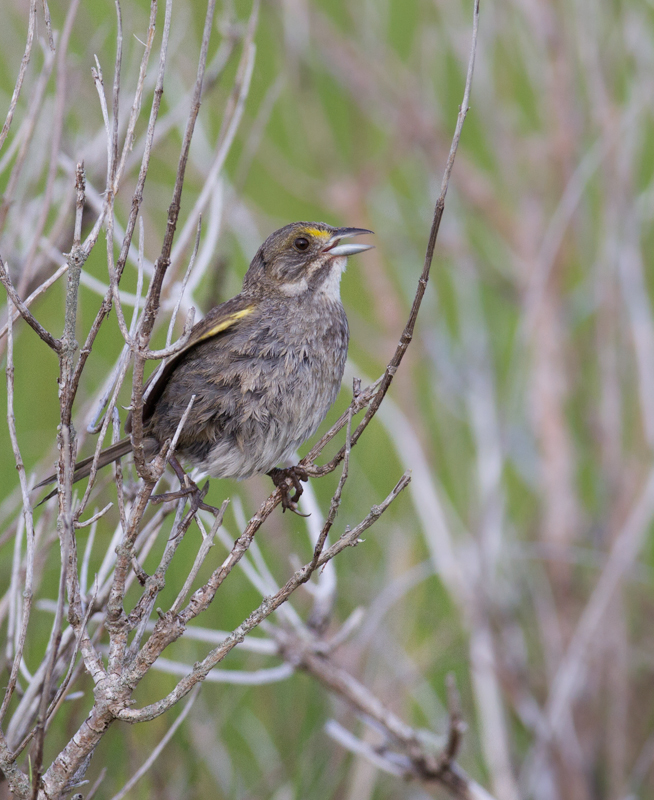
x=83 y=468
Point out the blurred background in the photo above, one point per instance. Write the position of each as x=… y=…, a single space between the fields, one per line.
x=520 y=558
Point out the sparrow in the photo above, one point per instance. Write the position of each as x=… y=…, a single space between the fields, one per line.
x=264 y=367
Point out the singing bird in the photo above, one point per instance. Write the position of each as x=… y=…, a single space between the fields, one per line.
x=265 y=366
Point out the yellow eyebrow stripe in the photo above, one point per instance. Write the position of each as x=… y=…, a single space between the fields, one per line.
x=317 y=232
x=226 y=323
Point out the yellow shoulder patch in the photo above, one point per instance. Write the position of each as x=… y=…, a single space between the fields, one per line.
x=226 y=323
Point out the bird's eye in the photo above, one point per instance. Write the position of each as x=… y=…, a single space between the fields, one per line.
x=301 y=243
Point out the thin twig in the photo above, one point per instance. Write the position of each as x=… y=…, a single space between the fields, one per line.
x=48 y=23
x=182 y=288
x=207 y=544
x=407 y=333
x=163 y=261
x=25 y=313
x=137 y=197
x=156 y=751
x=56 y=127
x=27 y=592
x=229 y=127
x=36 y=293
x=171 y=626
x=138 y=94
x=336 y=499
x=21 y=72
x=26 y=132
x=91 y=520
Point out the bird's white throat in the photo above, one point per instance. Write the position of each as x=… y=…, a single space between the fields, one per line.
x=331 y=286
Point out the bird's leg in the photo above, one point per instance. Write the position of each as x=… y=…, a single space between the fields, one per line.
x=188 y=488
x=281 y=477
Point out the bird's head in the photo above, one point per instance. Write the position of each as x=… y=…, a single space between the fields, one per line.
x=302 y=257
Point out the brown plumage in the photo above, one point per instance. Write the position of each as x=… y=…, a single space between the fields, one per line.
x=264 y=367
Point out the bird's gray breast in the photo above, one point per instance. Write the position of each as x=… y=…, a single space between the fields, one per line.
x=261 y=389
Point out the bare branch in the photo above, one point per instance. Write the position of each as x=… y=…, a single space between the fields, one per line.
x=336 y=499
x=137 y=196
x=161 y=266
x=21 y=73
x=25 y=313
x=56 y=129
x=231 y=120
x=157 y=750
x=26 y=133
x=98 y=515
x=36 y=293
x=419 y=761
x=207 y=544
x=171 y=627
x=27 y=591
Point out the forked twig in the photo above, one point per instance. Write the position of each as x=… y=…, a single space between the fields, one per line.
x=25 y=313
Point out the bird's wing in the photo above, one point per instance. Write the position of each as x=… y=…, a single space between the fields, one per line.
x=218 y=321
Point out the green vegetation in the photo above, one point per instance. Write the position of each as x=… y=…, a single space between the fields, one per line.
x=519 y=559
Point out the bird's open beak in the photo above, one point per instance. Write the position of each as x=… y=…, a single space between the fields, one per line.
x=335 y=248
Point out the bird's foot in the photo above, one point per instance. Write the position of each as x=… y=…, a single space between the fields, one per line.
x=287 y=479
x=191 y=490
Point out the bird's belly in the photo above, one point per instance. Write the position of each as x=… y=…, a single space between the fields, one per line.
x=269 y=422
x=258 y=395
x=258 y=455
